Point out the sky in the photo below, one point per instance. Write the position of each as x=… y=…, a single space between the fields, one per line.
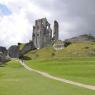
x=17 y=17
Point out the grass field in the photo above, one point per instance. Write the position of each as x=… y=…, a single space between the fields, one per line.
x=15 y=80
x=76 y=69
x=76 y=63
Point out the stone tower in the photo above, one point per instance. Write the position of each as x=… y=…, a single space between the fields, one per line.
x=56 y=31
x=42 y=33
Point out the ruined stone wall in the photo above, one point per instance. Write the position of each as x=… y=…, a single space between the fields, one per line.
x=42 y=33
x=56 y=31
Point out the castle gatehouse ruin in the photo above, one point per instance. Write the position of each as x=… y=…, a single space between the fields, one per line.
x=43 y=35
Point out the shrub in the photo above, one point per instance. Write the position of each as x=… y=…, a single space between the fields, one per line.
x=53 y=54
x=67 y=44
x=86 y=47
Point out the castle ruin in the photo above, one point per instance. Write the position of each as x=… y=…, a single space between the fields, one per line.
x=42 y=33
x=56 y=29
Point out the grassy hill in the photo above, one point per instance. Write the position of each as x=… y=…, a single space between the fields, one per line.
x=75 y=62
x=80 y=49
x=82 y=38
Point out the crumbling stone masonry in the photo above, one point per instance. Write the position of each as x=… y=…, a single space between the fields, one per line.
x=56 y=31
x=42 y=33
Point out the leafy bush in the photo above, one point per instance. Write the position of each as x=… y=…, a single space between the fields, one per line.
x=53 y=54
x=66 y=44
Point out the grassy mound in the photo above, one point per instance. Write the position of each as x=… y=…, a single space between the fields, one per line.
x=84 y=49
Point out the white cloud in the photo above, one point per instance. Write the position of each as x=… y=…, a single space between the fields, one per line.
x=17 y=27
x=74 y=18
x=14 y=28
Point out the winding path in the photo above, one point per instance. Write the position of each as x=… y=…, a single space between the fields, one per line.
x=57 y=78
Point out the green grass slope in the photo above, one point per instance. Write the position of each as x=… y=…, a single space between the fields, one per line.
x=75 y=62
x=21 y=45
x=15 y=80
x=84 y=49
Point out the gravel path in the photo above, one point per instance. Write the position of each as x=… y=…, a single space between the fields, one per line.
x=58 y=78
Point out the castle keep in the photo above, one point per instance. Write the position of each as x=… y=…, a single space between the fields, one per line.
x=42 y=33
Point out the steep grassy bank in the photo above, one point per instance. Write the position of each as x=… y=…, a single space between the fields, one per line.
x=84 y=49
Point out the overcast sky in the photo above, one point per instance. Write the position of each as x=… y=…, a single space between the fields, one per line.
x=17 y=17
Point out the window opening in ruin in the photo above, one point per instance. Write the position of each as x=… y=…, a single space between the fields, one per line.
x=47 y=27
x=37 y=34
x=33 y=35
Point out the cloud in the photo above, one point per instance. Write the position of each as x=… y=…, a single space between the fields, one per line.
x=17 y=17
x=75 y=17
x=14 y=29
x=17 y=27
